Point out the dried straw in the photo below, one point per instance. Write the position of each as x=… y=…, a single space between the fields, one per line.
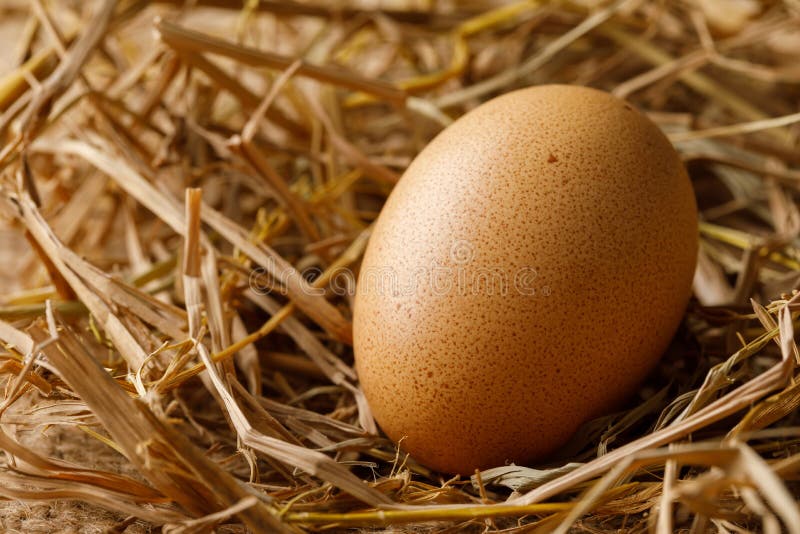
x=183 y=184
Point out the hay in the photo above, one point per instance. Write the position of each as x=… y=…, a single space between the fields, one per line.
x=181 y=184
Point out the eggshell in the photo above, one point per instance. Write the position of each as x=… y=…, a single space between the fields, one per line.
x=524 y=276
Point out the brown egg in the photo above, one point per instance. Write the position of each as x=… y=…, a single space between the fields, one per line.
x=524 y=276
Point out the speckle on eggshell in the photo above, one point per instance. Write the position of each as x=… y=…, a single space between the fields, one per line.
x=580 y=227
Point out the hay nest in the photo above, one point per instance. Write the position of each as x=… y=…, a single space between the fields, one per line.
x=176 y=177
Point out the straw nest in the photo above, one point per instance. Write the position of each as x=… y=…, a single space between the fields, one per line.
x=164 y=163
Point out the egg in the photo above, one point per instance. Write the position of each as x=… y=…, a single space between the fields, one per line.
x=524 y=276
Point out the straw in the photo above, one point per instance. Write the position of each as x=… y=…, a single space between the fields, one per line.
x=186 y=194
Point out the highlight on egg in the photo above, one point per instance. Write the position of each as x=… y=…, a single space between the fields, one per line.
x=525 y=275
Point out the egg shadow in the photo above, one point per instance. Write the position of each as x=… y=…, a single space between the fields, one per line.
x=680 y=369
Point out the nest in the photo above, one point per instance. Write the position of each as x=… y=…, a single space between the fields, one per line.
x=179 y=181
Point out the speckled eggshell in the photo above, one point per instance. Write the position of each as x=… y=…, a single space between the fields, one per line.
x=579 y=211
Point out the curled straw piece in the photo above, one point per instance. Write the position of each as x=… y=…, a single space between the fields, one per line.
x=199 y=487
x=460 y=48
